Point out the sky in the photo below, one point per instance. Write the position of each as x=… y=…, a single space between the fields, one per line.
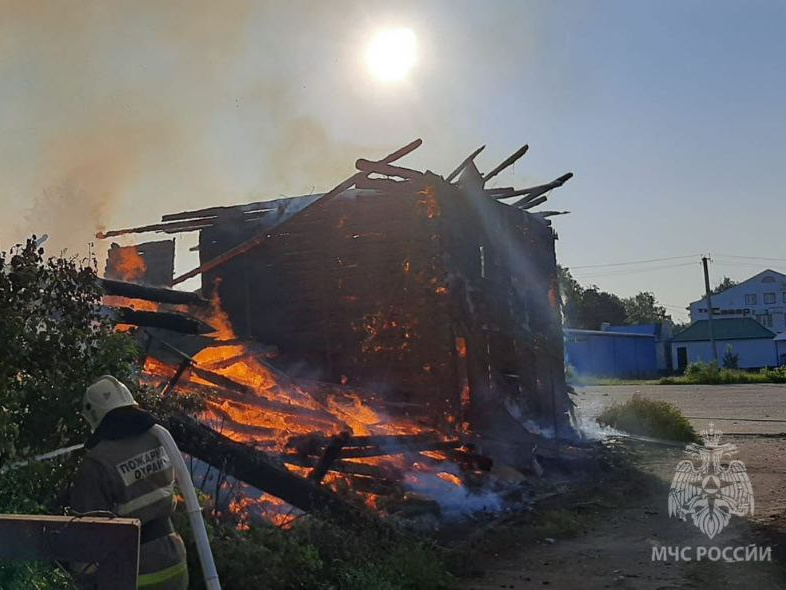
x=670 y=114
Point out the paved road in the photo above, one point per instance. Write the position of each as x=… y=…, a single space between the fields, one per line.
x=725 y=405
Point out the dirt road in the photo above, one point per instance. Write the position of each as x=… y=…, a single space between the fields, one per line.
x=728 y=406
x=608 y=542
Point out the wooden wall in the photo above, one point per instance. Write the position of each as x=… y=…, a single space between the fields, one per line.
x=353 y=293
x=381 y=288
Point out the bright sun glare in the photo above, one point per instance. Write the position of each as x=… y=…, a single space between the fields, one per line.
x=391 y=54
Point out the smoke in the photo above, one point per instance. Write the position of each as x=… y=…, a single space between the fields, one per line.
x=93 y=117
x=114 y=113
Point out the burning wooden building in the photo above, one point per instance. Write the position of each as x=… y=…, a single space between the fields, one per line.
x=437 y=294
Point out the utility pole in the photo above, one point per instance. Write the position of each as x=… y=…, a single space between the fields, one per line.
x=704 y=261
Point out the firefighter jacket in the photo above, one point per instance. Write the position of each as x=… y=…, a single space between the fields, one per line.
x=126 y=471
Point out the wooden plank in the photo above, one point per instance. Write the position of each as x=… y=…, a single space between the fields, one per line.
x=161 y=295
x=450 y=177
x=330 y=454
x=177 y=322
x=509 y=161
x=541 y=189
x=258 y=207
x=372 y=167
x=169 y=228
x=387 y=184
x=112 y=543
x=435 y=445
x=534 y=203
x=400 y=153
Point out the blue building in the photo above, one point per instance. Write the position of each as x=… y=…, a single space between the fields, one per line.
x=631 y=352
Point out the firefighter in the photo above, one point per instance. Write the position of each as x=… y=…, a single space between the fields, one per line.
x=126 y=471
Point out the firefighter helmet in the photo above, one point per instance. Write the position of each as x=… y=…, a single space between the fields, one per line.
x=103 y=396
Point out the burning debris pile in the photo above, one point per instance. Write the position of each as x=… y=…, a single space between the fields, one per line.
x=397 y=338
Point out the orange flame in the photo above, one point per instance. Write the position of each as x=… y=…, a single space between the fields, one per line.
x=129 y=264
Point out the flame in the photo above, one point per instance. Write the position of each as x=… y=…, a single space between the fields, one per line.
x=138 y=304
x=219 y=318
x=129 y=264
x=450 y=478
x=250 y=401
x=429 y=203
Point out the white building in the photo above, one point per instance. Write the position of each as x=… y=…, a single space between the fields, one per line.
x=762 y=298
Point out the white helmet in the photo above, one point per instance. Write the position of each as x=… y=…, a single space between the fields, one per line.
x=103 y=396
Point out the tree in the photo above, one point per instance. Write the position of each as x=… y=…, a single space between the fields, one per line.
x=643 y=308
x=53 y=343
x=725 y=283
x=599 y=307
x=731 y=359
x=588 y=308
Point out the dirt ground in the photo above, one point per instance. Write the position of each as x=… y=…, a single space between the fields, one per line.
x=602 y=537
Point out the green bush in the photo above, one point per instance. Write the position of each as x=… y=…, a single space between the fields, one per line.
x=658 y=419
x=711 y=374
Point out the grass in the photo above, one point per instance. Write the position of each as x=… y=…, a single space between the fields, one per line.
x=712 y=374
x=657 y=419
x=614 y=381
x=315 y=554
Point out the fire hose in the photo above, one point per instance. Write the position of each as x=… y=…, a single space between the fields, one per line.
x=193 y=509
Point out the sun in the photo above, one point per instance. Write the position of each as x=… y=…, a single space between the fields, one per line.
x=391 y=54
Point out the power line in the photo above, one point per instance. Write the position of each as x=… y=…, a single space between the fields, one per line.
x=633 y=262
x=629 y=272
x=737 y=264
x=752 y=257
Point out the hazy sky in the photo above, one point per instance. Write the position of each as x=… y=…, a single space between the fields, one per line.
x=670 y=114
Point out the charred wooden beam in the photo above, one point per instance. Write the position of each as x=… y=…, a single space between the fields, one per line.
x=257 y=469
x=169 y=228
x=357 y=453
x=392 y=440
x=551 y=213
x=401 y=152
x=536 y=191
x=383 y=471
x=371 y=485
x=451 y=177
x=397 y=155
x=500 y=190
x=507 y=193
x=533 y=203
x=161 y=295
x=332 y=452
x=222 y=381
x=307 y=444
x=384 y=184
x=371 y=167
x=172 y=382
x=312 y=443
x=177 y=322
x=509 y=161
